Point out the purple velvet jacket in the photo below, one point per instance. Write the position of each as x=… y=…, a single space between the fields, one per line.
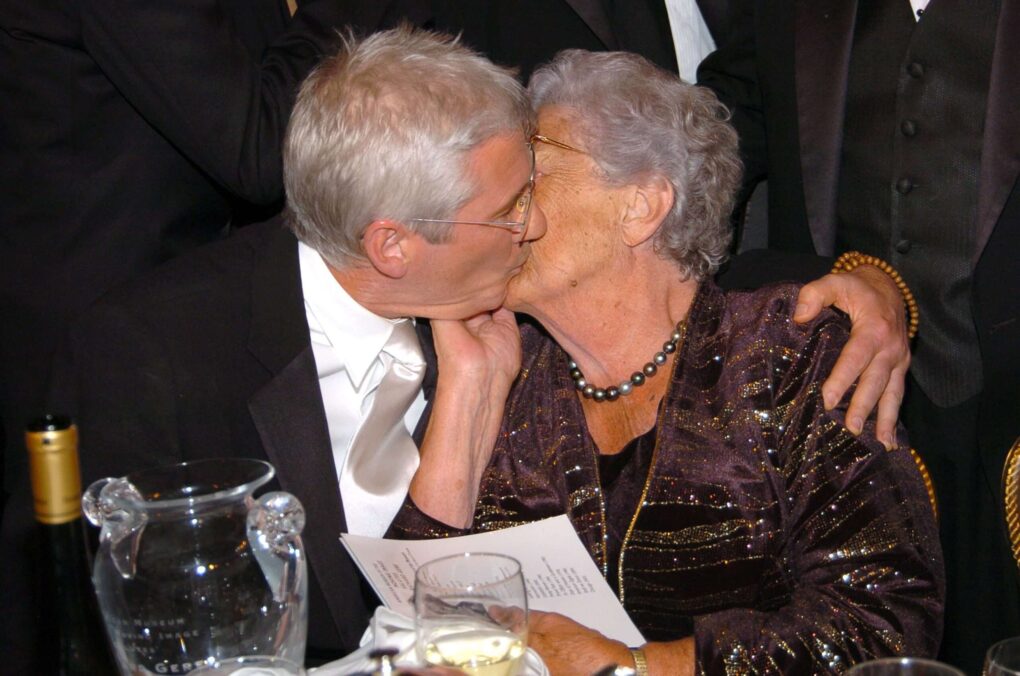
x=786 y=544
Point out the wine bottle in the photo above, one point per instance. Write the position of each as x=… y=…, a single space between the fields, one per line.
x=79 y=645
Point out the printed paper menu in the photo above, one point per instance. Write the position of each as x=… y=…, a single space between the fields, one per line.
x=559 y=575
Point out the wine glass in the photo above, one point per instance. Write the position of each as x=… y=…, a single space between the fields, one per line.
x=903 y=666
x=1003 y=658
x=471 y=612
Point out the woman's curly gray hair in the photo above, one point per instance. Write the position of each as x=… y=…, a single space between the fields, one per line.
x=635 y=120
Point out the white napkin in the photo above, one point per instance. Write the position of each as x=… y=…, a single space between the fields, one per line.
x=393 y=630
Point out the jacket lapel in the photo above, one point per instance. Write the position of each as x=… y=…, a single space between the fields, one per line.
x=291 y=422
x=823 y=34
x=716 y=14
x=428 y=385
x=593 y=14
x=289 y=417
x=1000 y=155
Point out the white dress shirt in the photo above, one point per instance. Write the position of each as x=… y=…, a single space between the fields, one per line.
x=691 y=38
x=918 y=6
x=347 y=342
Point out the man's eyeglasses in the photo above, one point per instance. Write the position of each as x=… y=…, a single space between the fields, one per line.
x=558 y=144
x=521 y=208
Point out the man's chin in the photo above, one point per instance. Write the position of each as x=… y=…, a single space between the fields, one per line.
x=469 y=308
x=511 y=302
x=515 y=293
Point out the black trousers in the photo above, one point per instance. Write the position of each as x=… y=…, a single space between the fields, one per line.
x=983 y=586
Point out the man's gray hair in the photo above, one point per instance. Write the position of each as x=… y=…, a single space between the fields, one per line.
x=637 y=120
x=382 y=129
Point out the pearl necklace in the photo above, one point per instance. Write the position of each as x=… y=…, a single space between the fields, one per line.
x=637 y=379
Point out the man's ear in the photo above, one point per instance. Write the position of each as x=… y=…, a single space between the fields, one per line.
x=386 y=245
x=648 y=203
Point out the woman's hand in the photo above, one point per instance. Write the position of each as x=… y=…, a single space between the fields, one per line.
x=878 y=352
x=478 y=361
x=487 y=346
x=570 y=648
x=567 y=647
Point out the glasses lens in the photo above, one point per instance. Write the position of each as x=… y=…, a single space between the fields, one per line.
x=523 y=205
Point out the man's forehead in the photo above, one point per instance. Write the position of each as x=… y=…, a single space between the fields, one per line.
x=498 y=169
x=501 y=160
x=508 y=145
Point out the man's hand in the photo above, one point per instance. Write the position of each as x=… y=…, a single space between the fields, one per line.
x=878 y=352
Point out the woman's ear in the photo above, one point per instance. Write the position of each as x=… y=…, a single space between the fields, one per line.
x=648 y=203
x=387 y=247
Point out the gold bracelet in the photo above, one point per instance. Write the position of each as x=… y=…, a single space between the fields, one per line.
x=854 y=259
x=640 y=662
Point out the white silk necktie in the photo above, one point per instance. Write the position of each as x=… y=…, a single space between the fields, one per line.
x=383 y=457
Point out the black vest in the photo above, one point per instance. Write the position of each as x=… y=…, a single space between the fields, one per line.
x=915 y=111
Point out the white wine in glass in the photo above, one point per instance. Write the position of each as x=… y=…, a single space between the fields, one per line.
x=471 y=612
x=475 y=649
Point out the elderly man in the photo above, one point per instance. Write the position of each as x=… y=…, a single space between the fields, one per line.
x=409 y=178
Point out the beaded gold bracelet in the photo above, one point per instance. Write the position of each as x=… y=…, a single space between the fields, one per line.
x=854 y=259
x=640 y=662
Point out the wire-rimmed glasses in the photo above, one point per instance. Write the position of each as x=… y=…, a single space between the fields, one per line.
x=522 y=207
x=556 y=144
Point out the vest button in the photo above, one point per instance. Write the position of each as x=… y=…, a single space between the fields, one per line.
x=908 y=127
x=903 y=246
x=915 y=69
x=904 y=185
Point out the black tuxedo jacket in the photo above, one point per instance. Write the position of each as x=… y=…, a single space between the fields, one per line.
x=527 y=33
x=210 y=356
x=129 y=132
x=785 y=79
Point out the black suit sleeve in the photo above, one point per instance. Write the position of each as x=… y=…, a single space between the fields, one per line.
x=184 y=68
x=115 y=380
x=758 y=267
x=732 y=73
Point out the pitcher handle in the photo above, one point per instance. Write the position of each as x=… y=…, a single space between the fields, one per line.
x=275 y=523
x=276 y=519
x=90 y=502
x=105 y=504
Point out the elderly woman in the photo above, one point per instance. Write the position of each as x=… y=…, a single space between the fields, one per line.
x=682 y=429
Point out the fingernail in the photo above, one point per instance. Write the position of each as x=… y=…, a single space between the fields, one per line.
x=855 y=425
x=801 y=309
x=828 y=400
